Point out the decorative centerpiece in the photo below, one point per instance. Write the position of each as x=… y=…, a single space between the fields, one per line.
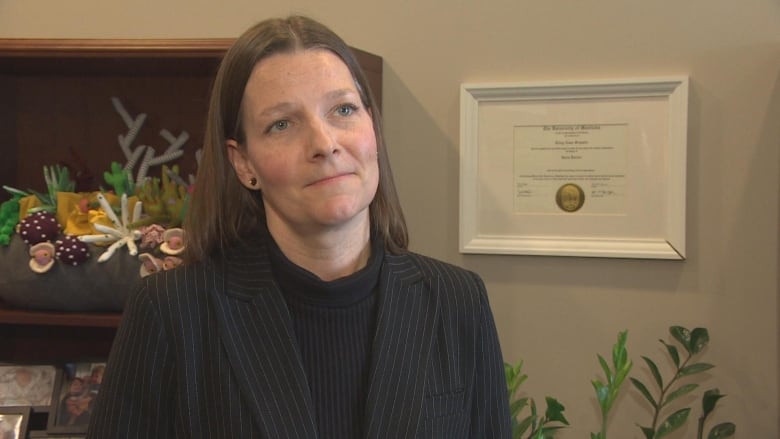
x=79 y=251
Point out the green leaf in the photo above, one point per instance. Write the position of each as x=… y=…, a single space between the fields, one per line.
x=602 y=392
x=721 y=431
x=605 y=367
x=699 y=339
x=709 y=400
x=683 y=390
x=623 y=372
x=523 y=425
x=649 y=432
x=654 y=370
x=672 y=353
x=555 y=410
x=517 y=406
x=619 y=353
x=508 y=371
x=695 y=368
x=673 y=422
x=643 y=390
x=682 y=335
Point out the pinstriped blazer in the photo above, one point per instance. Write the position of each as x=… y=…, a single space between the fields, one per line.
x=207 y=351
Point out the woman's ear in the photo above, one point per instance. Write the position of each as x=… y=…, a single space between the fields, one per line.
x=241 y=165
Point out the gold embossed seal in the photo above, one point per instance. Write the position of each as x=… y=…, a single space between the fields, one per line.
x=570 y=197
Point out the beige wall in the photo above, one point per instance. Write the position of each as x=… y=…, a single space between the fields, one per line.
x=556 y=313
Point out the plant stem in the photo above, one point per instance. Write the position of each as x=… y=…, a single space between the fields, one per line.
x=666 y=389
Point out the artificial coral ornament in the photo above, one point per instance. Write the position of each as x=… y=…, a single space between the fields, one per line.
x=171 y=262
x=120 y=234
x=41 y=257
x=70 y=250
x=39 y=227
x=149 y=264
x=173 y=242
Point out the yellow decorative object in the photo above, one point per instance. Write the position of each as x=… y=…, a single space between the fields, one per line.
x=73 y=214
x=27 y=203
x=164 y=198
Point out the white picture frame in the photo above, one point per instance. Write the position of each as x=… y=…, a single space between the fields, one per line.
x=508 y=174
x=23 y=384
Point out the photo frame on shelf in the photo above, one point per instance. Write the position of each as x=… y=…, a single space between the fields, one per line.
x=42 y=434
x=591 y=168
x=14 y=421
x=77 y=390
x=31 y=385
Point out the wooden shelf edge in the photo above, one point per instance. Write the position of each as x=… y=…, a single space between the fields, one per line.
x=69 y=48
x=59 y=318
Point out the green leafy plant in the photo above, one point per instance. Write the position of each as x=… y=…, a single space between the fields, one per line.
x=543 y=427
x=693 y=342
x=607 y=392
x=57 y=180
x=120 y=179
x=9 y=217
x=722 y=430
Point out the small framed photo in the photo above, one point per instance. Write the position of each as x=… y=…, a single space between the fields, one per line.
x=27 y=385
x=13 y=422
x=42 y=434
x=77 y=390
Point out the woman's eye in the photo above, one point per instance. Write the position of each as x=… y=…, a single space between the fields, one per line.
x=346 y=109
x=279 y=125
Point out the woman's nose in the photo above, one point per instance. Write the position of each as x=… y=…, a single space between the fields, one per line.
x=322 y=139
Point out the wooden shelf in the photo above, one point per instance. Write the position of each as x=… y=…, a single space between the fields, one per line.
x=11 y=316
x=52 y=337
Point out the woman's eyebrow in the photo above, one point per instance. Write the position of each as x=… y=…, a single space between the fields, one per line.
x=341 y=92
x=282 y=107
x=285 y=107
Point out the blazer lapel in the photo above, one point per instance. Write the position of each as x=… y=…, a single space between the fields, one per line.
x=255 y=329
x=408 y=314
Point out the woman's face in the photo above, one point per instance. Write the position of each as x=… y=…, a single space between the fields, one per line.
x=76 y=386
x=310 y=143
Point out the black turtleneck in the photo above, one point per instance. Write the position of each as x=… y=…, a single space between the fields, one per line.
x=334 y=324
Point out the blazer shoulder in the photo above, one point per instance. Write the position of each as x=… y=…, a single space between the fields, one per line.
x=435 y=270
x=179 y=284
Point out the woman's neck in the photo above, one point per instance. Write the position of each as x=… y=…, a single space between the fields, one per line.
x=330 y=254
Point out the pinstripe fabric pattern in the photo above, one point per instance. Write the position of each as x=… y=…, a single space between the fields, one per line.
x=207 y=351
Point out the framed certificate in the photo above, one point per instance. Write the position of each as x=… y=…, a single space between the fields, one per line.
x=576 y=168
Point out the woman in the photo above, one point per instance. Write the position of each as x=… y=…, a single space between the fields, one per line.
x=300 y=312
x=74 y=405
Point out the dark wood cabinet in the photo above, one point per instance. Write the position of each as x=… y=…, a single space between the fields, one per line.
x=55 y=108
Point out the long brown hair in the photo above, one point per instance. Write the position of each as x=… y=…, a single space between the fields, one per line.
x=222 y=209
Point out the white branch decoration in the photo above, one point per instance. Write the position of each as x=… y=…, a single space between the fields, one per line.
x=133 y=127
x=198 y=156
x=171 y=153
x=120 y=233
